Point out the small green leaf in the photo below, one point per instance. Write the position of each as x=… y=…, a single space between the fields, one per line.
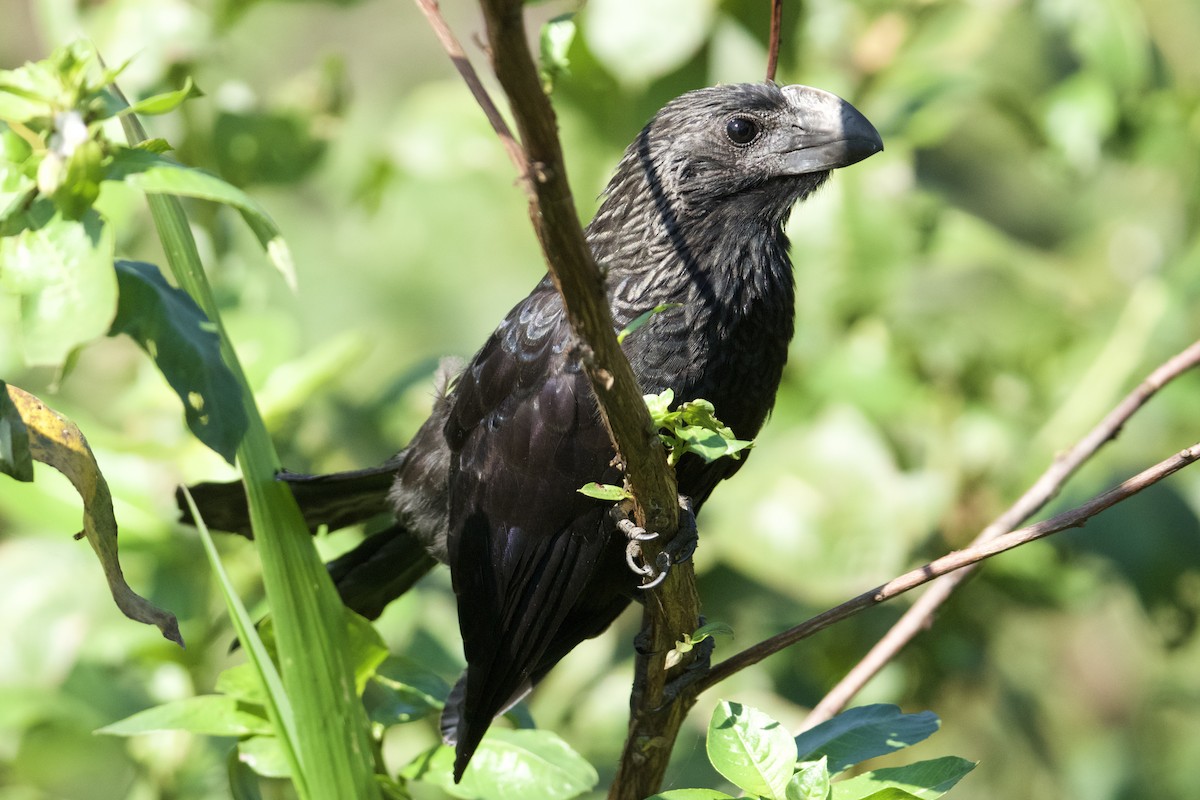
x=811 y=782
x=691 y=794
x=265 y=756
x=163 y=103
x=15 y=459
x=173 y=330
x=402 y=690
x=864 y=732
x=604 y=491
x=711 y=629
x=510 y=765
x=556 y=38
x=659 y=406
x=241 y=682
x=209 y=714
x=925 y=779
x=752 y=750
x=642 y=319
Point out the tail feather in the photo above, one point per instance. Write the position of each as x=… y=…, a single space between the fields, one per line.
x=338 y=500
x=459 y=731
x=382 y=567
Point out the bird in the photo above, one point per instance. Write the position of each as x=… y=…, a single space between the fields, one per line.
x=692 y=221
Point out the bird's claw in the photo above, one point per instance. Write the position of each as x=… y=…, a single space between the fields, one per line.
x=678 y=550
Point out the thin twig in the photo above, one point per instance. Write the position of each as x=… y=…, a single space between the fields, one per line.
x=955 y=562
x=775 y=35
x=453 y=49
x=917 y=617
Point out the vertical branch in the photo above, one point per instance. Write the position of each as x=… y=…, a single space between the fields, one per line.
x=775 y=35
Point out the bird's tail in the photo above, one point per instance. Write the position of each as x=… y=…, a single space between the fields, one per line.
x=380 y=569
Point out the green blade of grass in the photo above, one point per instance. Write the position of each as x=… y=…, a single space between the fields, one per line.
x=333 y=745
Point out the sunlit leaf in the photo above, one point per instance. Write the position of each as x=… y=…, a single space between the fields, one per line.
x=62 y=273
x=56 y=441
x=210 y=714
x=510 y=765
x=811 y=782
x=604 y=491
x=752 y=750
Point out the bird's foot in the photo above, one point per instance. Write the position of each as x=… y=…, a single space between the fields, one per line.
x=678 y=550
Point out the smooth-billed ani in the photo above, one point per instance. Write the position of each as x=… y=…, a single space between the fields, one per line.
x=693 y=216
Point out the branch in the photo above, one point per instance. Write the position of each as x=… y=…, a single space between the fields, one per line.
x=673 y=608
x=956 y=562
x=917 y=617
x=775 y=35
x=449 y=42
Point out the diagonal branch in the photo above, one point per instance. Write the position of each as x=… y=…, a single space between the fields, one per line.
x=958 y=563
x=916 y=618
x=773 y=38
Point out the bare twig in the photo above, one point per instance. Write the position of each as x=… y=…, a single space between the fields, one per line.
x=956 y=562
x=453 y=49
x=1043 y=490
x=775 y=35
x=673 y=608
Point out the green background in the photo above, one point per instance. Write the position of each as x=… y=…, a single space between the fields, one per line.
x=970 y=302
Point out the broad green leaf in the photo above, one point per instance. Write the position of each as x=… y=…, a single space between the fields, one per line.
x=604 y=491
x=27 y=92
x=15 y=459
x=709 y=444
x=691 y=794
x=402 y=690
x=752 y=750
x=265 y=756
x=156 y=174
x=864 y=732
x=173 y=330
x=510 y=765
x=62 y=272
x=811 y=781
x=924 y=779
x=209 y=714
x=891 y=794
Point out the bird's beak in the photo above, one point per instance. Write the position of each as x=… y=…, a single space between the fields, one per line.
x=829 y=132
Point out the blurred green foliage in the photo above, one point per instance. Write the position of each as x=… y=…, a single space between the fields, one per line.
x=970 y=302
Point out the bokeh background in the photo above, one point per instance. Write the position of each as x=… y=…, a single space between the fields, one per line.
x=970 y=302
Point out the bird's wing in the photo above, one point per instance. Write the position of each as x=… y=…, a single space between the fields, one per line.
x=524 y=545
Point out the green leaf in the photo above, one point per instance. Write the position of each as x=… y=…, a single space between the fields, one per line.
x=62 y=274
x=604 y=491
x=365 y=648
x=209 y=714
x=165 y=102
x=691 y=794
x=156 y=174
x=710 y=444
x=556 y=38
x=15 y=459
x=864 y=732
x=659 y=406
x=510 y=765
x=173 y=330
x=752 y=750
x=242 y=683
x=78 y=181
x=811 y=782
x=265 y=756
x=924 y=779
x=891 y=794
x=401 y=690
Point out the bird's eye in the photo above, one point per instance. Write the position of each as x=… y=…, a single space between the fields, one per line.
x=741 y=130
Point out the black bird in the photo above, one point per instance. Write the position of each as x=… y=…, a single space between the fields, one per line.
x=694 y=216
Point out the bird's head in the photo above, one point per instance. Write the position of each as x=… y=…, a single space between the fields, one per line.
x=750 y=150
